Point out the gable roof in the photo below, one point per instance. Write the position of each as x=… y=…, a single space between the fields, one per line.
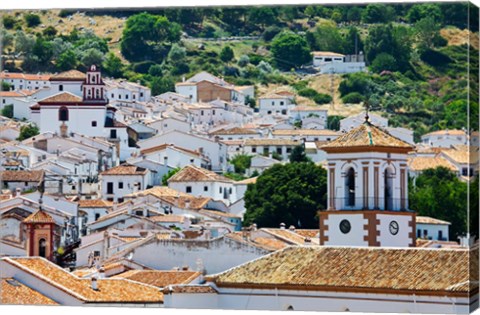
x=367 y=137
x=125 y=169
x=160 y=278
x=39 y=217
x=420 y=163
x=192 y=173
x=21 y=176
x=173 y=197
x=64 y=97
x=234 y=131
x=429 y=220
x=14 y=292
x=109 y=290
x=354 y=269
x=70 y=75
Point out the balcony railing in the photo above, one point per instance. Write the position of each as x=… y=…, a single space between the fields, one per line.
x=368 y=203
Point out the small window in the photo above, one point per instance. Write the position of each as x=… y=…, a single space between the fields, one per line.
x=282 y=103
x=113 y=95
x=188 y=189
x=141 y=94
x=289 y=150
x=119 y=97
x=63 y=114
x=126 y=96
x=96 y=253
x=214 y=112
x=60 y=87
x=419 y=233
x=273 y=103
x=94 y=123
x=97 y=216
x=120 y=185
x=279 y=150
x=201 y=113
x=220 y=190
x=254 y=149
x=205 y=188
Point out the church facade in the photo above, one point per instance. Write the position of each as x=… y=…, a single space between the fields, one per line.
x=89 y=114
x=367 y=202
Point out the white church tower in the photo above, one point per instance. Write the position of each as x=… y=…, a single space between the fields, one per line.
x=367 y=190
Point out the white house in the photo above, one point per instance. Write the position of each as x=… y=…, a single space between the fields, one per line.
x=445 y=138
x=277 y=104
x=214 y=151
x=122 y=180
x=25 y=81
x=122 y=91
x=173 y=156
x=330 y=62
x=166 y=124
x=201 y=182
x=270 y=147
x=206 y=87
x=432 y=229
x=300 y=113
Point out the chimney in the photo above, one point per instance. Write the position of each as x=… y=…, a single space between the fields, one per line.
x=18 y=192
x=292 y=228
x=101 y=273
x=63 y=130
x=187 y=204
x=183 y=78
x=308 y=241
x=94 y=283
x=185 y=268
x=282 y=226
x=254 y=226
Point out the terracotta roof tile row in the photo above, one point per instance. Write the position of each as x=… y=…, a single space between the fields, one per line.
x=94 y=203
x=422 y=271
x=109 y=290
x=192 y=173
x=39 y=216
x=160 y=278
x=14 y=292
x=21 y=176
x=429 y=220
x=420 y=163
x=125 y=169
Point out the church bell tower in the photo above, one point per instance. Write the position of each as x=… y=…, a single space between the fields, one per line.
x=367 y=201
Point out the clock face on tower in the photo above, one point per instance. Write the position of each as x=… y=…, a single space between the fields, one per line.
x=393 y=227
x=345 y=226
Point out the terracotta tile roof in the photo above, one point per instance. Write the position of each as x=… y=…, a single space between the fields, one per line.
x=199 y=289
x=251 y=180
x=173 y=197
x=454 y=132
x=192 y=173
x=109 y=290
x=276 y=96
x=308 y=233
x=21 y=176
x=68 y=76
x=125 y=169
x=326 y=54
x=367 y=135
x=420 y=163
x=165 y=146
x=429 y=220
x=14 y=292
x=462 y=156
x=419 y=271
x=39 y=217
x=168 y=218
x=234 y=131
x=286 y=235
x=64 y=97
x=25 y=76
x=219 y=214
x=266 y=243
x=305 y=132
x=301 y=108
x=94 y=203
x=160 y=278
x=250 y=142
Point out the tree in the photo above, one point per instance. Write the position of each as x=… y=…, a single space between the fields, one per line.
x=49 y=32
x=421 y=11
x=161 y=85
x=24 y=43
x=440 y=194
x=92 y=56
x=6 y=86
x=333 y=122
x=9 y=21
x=170 y=173
x=394 y=41
x=226 y=54
x=289 y=193
x=384 y=61
x=290 y=50
x=426 y=32
x=261 y=16
x=67 y=61
x=113 y=66
x=298 y=154
x=32 y=20
x=43 y=49
x=28 y=131
x=378 y=13
x=146 y=36
x=177 y=54
x=243 y=60
x=241 y=162
x=322 y=98
x=326 y=38
x=353 y=42
x=7 y=111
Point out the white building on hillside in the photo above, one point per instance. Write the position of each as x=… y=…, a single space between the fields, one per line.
x=330 y=62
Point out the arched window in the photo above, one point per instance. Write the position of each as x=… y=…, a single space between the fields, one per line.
x=42 y=247
x=388 y=189
x=63 y=114
x=350 y=187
